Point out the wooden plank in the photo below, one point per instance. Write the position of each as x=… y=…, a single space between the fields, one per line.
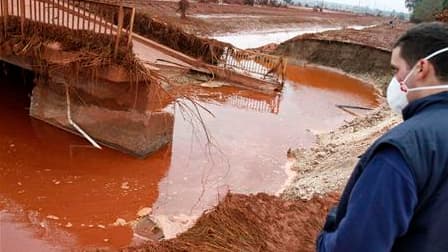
x=120 y=27
x=131 y=27
x=73 y=13
x=22 y=17
x=5 y=17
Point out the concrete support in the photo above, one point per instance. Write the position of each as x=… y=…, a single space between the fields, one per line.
x=128 y=131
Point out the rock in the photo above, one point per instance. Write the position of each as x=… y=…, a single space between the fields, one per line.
x=144 y=212
x=120 y=222
x=52 y=217
x=320 y=154
x=125 y=186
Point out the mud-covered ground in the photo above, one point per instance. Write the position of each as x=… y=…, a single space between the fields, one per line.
x=213 y=19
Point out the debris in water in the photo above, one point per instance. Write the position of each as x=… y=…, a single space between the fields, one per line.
x=144 y=211
x=125 y=186
x=101 y=226
x=120 y=222
x=52 y=217
x=147 y=230
x=69 y=225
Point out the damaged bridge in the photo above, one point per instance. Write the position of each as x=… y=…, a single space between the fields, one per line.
x=97 y=78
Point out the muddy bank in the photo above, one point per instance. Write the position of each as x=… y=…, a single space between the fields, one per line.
x=252 y=223
x=363 y=53
x=353 y=59
x=326 y=166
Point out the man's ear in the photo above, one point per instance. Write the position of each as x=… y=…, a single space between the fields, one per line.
x=425 y=68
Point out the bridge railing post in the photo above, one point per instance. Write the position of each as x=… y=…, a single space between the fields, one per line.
x=22 y=17
x=5 y=16
x=120 y=27
x=131 y=27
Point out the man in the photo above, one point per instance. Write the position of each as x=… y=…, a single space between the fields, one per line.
x=397 y=196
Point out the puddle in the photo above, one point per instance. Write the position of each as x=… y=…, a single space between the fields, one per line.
x=256 y=39
x=78 y=191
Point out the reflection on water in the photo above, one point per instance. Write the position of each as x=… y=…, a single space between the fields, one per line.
x=56 y=184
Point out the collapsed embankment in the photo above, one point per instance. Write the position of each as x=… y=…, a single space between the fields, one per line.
x=359 y=60
x=363 y=53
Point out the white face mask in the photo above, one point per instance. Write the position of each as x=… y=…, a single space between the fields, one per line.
x=397 y=92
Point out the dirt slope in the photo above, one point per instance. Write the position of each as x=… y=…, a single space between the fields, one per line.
x=253 y=223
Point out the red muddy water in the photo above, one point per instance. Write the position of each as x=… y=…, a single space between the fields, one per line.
x=58 y=193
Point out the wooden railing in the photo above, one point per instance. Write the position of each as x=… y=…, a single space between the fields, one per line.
x=100 y=18
x=254 y=64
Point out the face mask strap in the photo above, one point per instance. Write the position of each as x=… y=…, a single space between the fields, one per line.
x=437 y=53
x=428 y=88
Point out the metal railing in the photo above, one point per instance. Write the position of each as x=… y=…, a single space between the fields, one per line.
x=264 y=106
x=254 y=64
x=100 y=18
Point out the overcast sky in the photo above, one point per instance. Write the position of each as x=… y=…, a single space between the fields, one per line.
x=397 y=5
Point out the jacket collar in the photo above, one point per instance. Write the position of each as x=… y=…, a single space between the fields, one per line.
x=422 y=104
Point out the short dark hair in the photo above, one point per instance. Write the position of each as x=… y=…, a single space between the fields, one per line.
x=422 y=40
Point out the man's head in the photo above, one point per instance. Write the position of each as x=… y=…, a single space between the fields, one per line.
x=410 y=51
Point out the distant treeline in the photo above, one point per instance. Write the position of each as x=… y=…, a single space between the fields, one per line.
x=426 y=10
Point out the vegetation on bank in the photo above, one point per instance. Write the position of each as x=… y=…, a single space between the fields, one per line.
x=427 y=10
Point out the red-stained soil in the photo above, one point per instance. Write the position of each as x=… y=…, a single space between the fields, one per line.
x=253 y=223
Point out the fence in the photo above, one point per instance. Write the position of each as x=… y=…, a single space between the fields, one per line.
x=255 y=64
x=100 y=18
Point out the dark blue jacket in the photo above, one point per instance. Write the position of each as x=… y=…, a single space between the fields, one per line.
x=422 y=140
x=380 y=208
